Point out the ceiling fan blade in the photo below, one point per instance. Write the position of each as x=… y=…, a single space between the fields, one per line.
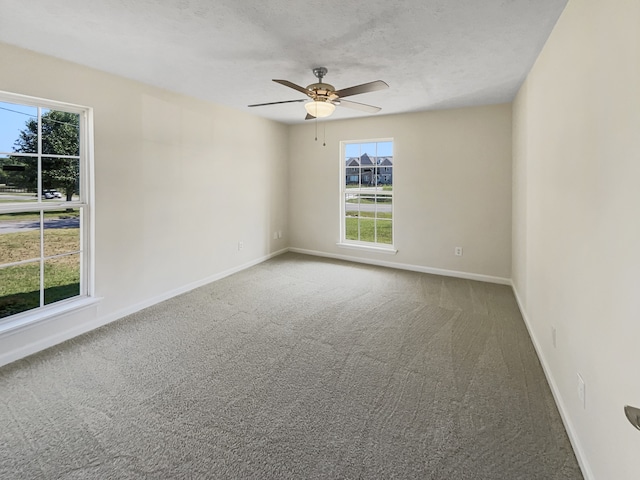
x=358 y=106
x=364 y=88
x=289 y=84
x=309 y=117
x=275 y=103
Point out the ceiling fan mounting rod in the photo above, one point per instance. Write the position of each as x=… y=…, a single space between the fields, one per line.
x=320 y=72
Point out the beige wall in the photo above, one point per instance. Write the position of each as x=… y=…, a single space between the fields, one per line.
x=452 y=187
x=576 y=229
x=178 y=183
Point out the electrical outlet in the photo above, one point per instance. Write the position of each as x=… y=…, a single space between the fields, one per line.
x=279 y=233
x=582 y=392
x=458 y=251
x=553 y=336
x=240 y=245
x=275 y=235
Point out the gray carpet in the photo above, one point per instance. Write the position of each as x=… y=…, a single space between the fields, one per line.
x=298 y=368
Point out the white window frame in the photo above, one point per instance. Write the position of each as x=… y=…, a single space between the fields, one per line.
x=355 y=244
x=86 y=199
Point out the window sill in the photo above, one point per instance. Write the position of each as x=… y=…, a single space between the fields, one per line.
x=28 y=319
x=368 y=248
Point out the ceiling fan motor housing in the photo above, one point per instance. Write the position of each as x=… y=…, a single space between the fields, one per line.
x=322 y=91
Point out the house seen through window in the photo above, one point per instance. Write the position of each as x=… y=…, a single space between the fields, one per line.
x=44 y=204
x=367 y=193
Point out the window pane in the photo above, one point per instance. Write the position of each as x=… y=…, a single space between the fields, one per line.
x=60 y=178
x=384 y=206
x=369 y=149
x=368 y=205
x=352 y=172
x=61 y=232
x=367 y=230
x=382 y=213
x=18 y=179
x=351 y=200
x=367 y=178
x=19 y=288
x=19 y=237
x=384 y=175
x=60 y=133
x=61 y=278
x=353 y=212
x=353 y=180
x=385 y=149
x=19 y=128
x=352 y=150
x=351 y=228
x=384 y=231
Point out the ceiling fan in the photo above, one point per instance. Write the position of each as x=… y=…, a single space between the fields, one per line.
x=325 y=97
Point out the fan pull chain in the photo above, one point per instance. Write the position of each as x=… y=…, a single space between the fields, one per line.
x=316 y=122
x=324 y=134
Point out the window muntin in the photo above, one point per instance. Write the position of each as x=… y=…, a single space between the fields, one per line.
x=44 y=204
x=367 y=193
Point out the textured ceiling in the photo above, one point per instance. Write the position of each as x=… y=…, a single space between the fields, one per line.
x=434 y=54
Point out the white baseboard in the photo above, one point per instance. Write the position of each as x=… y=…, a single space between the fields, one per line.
x=568 y=425
x=188 y=287
x=404 y=266
x=27 y=349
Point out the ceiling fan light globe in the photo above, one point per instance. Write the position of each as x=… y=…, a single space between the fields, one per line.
x=319 y=109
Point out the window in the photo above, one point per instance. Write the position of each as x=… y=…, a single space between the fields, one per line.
x=44 y=207
x=367 y=194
